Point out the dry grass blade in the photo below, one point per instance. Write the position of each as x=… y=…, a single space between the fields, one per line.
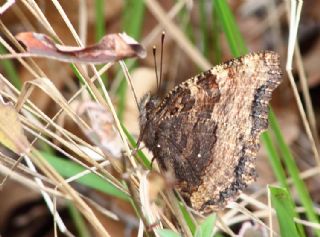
x=34 y=69
x=158 y=29
x=252 y=216
x=66 y=188
x=295 y=12
x=47 y=86
x=29 y=183
x=6 y=6
x=307 y=223
x=98 y=145
x=12 y=136
x=306 y=94
x=177 y=35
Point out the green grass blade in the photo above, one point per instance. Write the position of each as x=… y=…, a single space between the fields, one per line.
x=78 y=74
x=187 y=218
x=100 y=21
x=133 y=17
x=216 y=36
x=132 y=24
x=140 y=154
x=219 y=235
x=80 y=224
x=293 y=170
x=274 y=160
x=183 y=20
x=204 y=28
x=167 y=233
x=10 y=70
x=67 y=168
x=80 y=78
x=230 y=28
x=100 y=26
x=122 y=96
x=281 y=202
x=206 y=227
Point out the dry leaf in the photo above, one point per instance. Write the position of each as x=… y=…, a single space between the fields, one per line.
x=103 y=132
x=112 y=47
x=11 y=132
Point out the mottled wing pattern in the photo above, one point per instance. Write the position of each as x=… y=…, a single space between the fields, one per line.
x=188 y=140
x=183 y=119
x=196 y=94
x=207 y=129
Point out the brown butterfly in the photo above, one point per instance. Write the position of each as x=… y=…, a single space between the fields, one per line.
x=206 y=130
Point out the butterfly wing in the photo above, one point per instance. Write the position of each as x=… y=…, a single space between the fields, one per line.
x=207 y=129
x=184 y=147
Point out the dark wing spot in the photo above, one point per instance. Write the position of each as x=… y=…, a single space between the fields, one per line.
x=182 y=138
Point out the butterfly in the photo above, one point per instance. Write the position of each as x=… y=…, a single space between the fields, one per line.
x=206 y=130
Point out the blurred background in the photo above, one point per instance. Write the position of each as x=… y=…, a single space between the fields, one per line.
x=199 y=34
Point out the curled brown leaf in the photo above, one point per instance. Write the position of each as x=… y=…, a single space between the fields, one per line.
x=112 y=47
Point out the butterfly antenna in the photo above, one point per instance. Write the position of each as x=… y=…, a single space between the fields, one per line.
x=157 y=79
x=161 y=56
x=155 y=65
